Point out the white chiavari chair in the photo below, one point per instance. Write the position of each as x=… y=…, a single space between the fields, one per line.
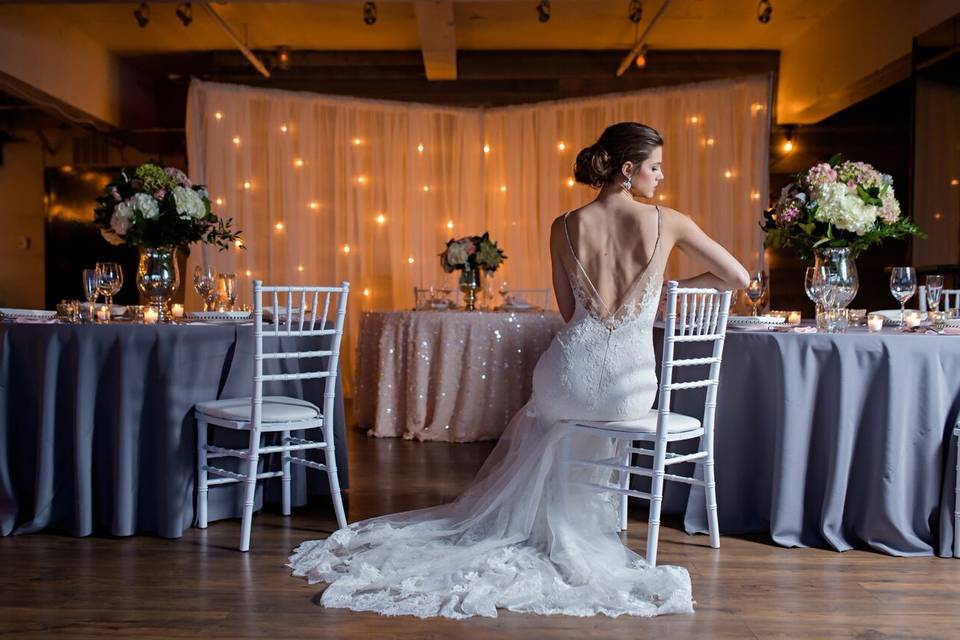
x=692 y=316
x=297 y=311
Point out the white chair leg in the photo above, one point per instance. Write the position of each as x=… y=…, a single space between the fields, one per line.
x=201 y=474
x=332 y=479
x=656 y=500
x=710 y=491
x=250 y=489
x=625 y=460
x=285 y=461
x=956 y=507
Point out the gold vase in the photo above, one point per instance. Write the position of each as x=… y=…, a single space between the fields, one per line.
x=470 y=285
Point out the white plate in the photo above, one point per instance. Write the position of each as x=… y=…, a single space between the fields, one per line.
x=517 y=307
x=739 y=321
x=891 y=317
x=218 y=315
x=26 y=313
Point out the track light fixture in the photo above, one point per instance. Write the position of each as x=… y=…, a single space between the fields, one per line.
x=142 y=14
x=764 y=11
x=369 y=13
x=543 y=11
x=185 y=13
x=635 y=11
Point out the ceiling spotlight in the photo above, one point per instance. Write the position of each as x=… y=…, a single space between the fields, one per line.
x=764 y=11
x=185 y=13
x=543 y=11
x=369 y=13
x=142 y=14
x=635 y=12
x=283 y=57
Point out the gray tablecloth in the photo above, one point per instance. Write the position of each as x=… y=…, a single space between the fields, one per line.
x=835 y=441
x=96 y=425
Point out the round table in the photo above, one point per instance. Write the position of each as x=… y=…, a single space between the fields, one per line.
x=97 y=430
x=452 y=376
x=833 y=440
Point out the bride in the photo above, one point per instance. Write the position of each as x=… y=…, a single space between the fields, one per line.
x=522 y=537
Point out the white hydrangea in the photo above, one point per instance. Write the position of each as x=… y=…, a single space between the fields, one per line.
x=189 y=203
x=120 y=220
x=146 y=204
x=844 y=209
x=457 y=254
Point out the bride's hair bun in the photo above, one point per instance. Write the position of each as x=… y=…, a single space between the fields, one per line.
x=594 y=166
x=623 y=142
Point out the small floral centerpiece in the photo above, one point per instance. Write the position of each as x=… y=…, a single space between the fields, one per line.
x=156 y=207
x=159 y=210
x=471 y=255
x=836 y=205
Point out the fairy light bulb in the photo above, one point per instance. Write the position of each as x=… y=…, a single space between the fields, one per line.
x=361 y=179
x=366 y=293
x=249 y=273
x=218 y=115
x=449 y=224
x=710 y=142
x=561 y=146
x=298 y=162
x=410 y=260
x=219 y=202
x=300 y=268
x=346 y=248
x=381 y=219
x=426 y=188
x=236 y=140
x=754 y=195
x=420 y=148
x=728 y=174
x=571 y=182
x=356 y=142
x=314 y=205
x=246 y=184
x=283 y=128
x=278 y=226
x=503 y=188
x=694 y=119
x=486 y=148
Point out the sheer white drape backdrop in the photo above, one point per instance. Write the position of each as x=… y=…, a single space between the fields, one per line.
x=328 y=188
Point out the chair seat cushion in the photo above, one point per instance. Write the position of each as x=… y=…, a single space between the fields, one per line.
x=275 y=409
x=676 y=423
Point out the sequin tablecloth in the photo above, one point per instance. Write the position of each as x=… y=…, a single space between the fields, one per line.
x=451 y=376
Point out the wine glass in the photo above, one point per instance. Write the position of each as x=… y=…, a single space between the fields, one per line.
x=91 y=289
x=811 y=285
x=756 y=289
x=228 y=289
x=934 y=287
x=111 y=279
x=205 y=282
x=903 y=284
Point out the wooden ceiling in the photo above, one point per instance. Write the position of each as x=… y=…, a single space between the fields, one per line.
x=574 y=24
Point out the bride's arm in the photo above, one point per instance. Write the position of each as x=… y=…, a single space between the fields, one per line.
x=561 y=282
x=724 y=271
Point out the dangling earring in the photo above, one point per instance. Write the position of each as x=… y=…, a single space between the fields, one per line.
x=627 y=184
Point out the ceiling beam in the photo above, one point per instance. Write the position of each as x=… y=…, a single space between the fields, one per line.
x=247 y=53
x=438 y=38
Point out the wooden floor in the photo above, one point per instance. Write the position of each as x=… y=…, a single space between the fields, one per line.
x=199 y=586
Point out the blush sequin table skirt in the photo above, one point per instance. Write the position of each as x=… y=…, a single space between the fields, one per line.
x=450 y=376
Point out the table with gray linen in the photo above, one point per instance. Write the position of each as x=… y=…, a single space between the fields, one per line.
x=835 y=441
x=97 y=433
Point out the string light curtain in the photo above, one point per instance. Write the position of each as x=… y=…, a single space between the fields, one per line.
x=329 y=188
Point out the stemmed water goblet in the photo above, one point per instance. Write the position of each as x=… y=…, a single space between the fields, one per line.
x=110 y=275
x=903 y=284
x=228 y=290
x=205 y=282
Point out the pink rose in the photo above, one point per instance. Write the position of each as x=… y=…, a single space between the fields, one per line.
x=160 y=194
x=470 y=248
x=115 y=194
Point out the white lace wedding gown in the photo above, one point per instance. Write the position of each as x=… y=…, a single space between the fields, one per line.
x=522 y=537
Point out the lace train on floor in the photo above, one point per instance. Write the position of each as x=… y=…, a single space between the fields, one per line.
x=520 y=538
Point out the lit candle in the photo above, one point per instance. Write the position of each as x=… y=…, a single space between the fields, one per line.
x=150 y=315
x=912 y=319
x=793 y=317
x=875 y=322
x=103 y=313
x=177 y=311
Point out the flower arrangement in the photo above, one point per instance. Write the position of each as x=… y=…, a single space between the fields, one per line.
x=472 y=252
x=157 y=207
x=836 y=204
